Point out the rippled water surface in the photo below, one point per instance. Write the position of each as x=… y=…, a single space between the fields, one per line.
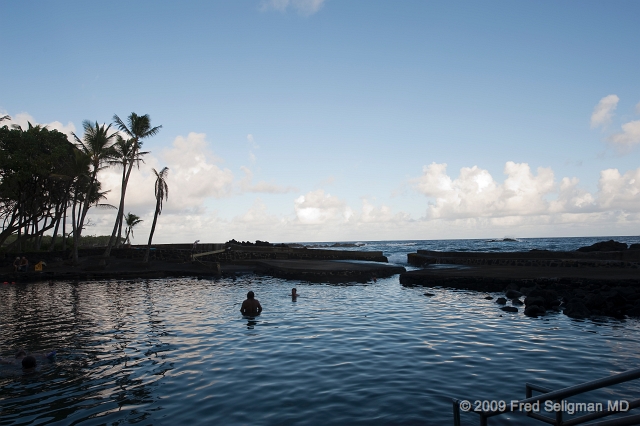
x=178 y=351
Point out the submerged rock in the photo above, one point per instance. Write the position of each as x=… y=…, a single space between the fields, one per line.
x=509 y=309
x=429 y=294
x=501 y=300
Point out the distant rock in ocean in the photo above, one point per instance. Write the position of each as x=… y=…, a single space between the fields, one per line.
x=604 y=246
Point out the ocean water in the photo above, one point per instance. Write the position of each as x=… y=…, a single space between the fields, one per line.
x=177 y=351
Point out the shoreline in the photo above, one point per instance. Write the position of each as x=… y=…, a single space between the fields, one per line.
x=579 y=284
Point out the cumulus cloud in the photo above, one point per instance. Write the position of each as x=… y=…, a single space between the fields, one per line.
x=475 y=193
x=303 y=7
x=603 y=112
x=192 y=165
x=629 y=136
x=247 y=185
x=619 y=191
x=316 y=208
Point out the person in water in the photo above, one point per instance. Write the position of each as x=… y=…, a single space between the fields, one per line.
x=294 y=293
x=24 y=265
x=28 y=361
x=251 y=306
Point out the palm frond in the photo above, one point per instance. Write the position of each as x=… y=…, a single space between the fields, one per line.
x=121 y=126
x=105 y=206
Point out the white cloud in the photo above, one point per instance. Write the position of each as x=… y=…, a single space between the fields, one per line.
x=475 y=193
x=571 y=198
x=246 y=185
x=619 y=192
x=316 y=208
x=603 y=112
x=629 y=136
x=303 y=7
x=192 y=166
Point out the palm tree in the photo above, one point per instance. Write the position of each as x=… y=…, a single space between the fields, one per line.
x=96 y=145
x=124 y=149
x=131 y=220
x=137 y=128
x=162 y=192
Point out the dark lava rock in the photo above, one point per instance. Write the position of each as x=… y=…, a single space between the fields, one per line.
x=513 y=294
x=534 y=300
x=526 y=290
x=534 y=311
x=576 y=309
x=516 y=302
x=488 y=298
x=604 y=246
x=501 y=300
x=509 y=309
x=634 y=311
x=634 y=247
x=594 y=301
x=429 y=294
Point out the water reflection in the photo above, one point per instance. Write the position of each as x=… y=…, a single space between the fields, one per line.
x=157 y=349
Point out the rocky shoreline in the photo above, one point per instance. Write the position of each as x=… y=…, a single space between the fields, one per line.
x=592 y=281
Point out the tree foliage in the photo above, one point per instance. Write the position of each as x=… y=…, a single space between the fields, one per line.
x=36 y=176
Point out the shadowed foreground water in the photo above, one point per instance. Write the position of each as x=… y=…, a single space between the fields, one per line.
x=178 y=351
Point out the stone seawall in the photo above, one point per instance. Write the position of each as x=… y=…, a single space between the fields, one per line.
x=170 y=253
x=561 y=260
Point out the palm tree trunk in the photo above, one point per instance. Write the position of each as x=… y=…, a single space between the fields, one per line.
x=82 y=214
x=117 y=227
x=153 y=228
x=74 y=252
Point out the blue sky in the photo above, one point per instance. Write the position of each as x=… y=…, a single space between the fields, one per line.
x=317 y=120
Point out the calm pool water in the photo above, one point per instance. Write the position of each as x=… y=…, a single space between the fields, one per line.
x=177 y=351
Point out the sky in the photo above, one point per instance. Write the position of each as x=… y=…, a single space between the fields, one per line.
x=358 y=120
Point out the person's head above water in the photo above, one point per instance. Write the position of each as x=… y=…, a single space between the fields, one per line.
x=294 y=291
x=20 y=354
x=28 y=362
x=250 y=295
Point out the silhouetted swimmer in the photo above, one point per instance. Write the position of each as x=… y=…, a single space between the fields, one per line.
x=251 y=307
x=29 y=362
x=294 y=294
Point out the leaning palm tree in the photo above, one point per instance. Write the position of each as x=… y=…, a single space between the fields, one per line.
x=96 y=145
x=162 y=192
x=131 y=220
x=136 y=128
